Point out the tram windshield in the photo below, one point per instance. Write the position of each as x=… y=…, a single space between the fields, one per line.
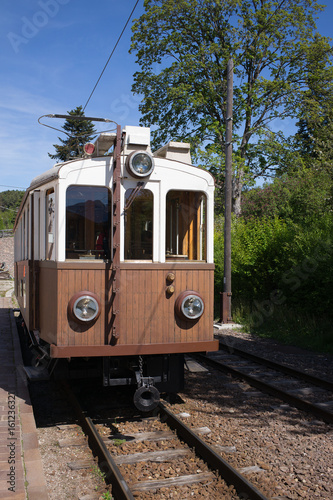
x=185 y=226
x=138 y=225
x=88 y=222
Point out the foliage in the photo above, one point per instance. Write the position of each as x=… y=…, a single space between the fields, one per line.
x=282 y=255
x=79 y=132
x=118 y=442
x=289 y=325
x=315 y=126
x=97 y=473
x=107 y=496
x=277 y=262
x=183 y=47
x=299 y=197
x=9 y=204
x=258 y=255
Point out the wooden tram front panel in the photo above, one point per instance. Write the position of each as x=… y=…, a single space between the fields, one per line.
x=147 y=320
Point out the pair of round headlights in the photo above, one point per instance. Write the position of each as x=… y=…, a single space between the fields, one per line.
x=85 y=306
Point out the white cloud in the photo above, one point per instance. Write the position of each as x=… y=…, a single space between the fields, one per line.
x=22 y=101
x=24 y=143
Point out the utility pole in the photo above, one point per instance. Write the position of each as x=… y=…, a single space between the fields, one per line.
x=226 y=295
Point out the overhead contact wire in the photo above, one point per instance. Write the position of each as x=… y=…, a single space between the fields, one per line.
x=114 y=48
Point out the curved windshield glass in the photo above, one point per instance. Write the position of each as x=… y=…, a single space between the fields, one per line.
x=88 y=222
x=138 y=224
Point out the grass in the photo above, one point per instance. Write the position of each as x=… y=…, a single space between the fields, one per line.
x=99 y=477
x=118 y=442
x=97 y=473
x=289 y=326
x=107 y=496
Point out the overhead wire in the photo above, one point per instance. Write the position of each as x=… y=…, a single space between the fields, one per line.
x=114 y=48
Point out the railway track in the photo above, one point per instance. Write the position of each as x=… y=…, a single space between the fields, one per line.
x=176 y=456
x=298 y=389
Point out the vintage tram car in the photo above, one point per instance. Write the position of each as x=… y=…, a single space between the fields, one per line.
x=114 y=263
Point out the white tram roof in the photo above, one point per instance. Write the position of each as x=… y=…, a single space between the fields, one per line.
x=135 y=138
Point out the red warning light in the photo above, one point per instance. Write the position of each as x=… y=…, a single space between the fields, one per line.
x=89 y=148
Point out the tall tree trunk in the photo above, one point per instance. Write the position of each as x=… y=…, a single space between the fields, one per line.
x=238 y=180
x=237 y=187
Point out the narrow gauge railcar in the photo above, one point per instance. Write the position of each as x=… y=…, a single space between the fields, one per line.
x=114 y=263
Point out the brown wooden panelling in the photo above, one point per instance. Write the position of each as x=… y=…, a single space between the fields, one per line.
x=149 y=314
x=131 y=350
x=49 y=301
x=22 y=289
x=71 y=281
x=146 y=310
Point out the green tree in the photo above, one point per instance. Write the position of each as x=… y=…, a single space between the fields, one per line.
x=315 y=126
x=302 y=197
x=9 y=204
x=79 y=132
x=183 y=46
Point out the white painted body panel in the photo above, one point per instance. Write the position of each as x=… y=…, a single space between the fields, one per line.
x=169 y=174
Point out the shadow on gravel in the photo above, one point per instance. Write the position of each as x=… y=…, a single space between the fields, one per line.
x=234 y=399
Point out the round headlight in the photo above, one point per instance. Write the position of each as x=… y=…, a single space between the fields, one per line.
x=189 y=305
x=140 y=164
x=193 y=307
x=84 y=306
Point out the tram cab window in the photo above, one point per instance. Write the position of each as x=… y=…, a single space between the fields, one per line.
x=185 y=226
x=88 y=222
x=50 y=225
x=138 y=224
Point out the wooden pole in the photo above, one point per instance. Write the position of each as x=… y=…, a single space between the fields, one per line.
x=226 y=296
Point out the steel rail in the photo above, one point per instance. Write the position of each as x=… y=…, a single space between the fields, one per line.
x=120 y=488
x=270 y=389
x=243 y=487
x=325 y=384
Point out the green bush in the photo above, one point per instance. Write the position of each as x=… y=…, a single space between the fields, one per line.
x=259 y=253
x=305 y=195
x=282 y=260
x=279 y=262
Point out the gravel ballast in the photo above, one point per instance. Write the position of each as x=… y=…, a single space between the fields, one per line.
x=284 y=452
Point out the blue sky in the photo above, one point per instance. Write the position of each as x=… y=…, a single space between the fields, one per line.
x=51 y=54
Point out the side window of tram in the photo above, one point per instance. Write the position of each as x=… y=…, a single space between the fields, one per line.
x=50 y=223
x=185 y=226
x=88 y=222
x=138 y=225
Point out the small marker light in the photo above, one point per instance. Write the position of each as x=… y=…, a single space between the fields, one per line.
x=89 y=148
